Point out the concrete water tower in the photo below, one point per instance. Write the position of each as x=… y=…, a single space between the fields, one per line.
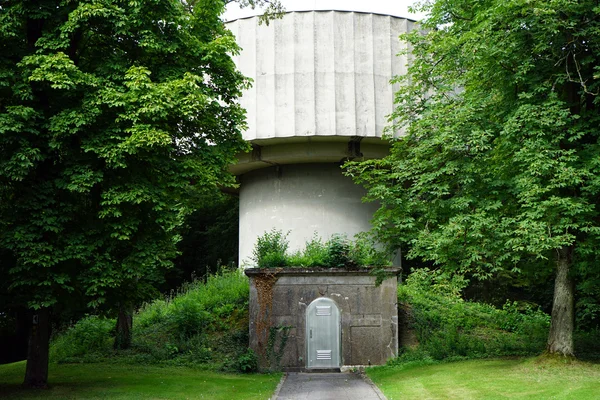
x=321 y=96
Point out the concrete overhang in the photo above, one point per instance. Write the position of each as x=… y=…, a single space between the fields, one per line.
x=302 y=150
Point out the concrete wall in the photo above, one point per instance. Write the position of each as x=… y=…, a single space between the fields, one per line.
x=320 y=73
x=321 y=95
x=319 y=150
x=302 y=199
x=369 y=313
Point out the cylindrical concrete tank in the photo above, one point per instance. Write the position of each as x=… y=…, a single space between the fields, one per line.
x=321 y=95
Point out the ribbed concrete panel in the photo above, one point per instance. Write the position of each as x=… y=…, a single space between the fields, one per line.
x=319 y=73
x=246 y=37
x=263 y=44
x=344 y=79
x=324 y=75
x=284 y=83
x=304 y=76
x=382 y=70
x=399 y=66
x=364 y=78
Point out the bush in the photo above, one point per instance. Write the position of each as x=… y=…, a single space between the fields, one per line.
x=247 y=362
x=447 y=327
x=338 y=253
x=587 y=344
x=187 y=317
x=314 y=255
x=270 y=251
x=364 y=251
x=202 y=323
x=89 y=337
x=521 y=318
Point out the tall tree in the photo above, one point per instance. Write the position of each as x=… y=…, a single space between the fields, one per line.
x=114 y=116
x=498 y=165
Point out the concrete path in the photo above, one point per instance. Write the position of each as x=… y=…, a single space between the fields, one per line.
x=327 y=386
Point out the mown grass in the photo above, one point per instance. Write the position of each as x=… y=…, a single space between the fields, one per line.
x=114 y=381
x=526 y=378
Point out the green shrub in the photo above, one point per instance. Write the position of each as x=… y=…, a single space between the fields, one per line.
x=338 y=252
x=270 y=250
x=313 y=255
x=187 y=317
x=247 y=362
x=151 y=313
x=407 y=355
x=202 y=323
x=364 y=251
x=521 y=318
x=199 y=324
x=90 y=336
x=447 y=327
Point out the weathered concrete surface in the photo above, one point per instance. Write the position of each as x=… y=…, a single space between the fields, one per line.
x=309 y=149
x=301 y=200
x=320 y=73
x=369 y=314
x=321 y=94
x=328 y=386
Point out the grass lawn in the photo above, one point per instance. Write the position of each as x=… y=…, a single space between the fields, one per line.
x=527 y=378
x=113 y=381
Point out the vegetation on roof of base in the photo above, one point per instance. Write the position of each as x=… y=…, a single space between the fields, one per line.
x=272 y=251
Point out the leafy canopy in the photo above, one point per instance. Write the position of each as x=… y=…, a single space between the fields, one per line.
x=498 y=163
x=115 y=116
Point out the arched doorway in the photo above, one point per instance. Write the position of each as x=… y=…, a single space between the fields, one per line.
x=323 y=334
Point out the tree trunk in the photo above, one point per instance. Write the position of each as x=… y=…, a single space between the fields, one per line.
x=36 y=373
x=560 y=339
x=124 y=325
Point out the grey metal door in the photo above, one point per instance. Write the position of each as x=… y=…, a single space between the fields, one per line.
x=322 y=334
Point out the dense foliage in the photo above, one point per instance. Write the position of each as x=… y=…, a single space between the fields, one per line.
x=115 y=118
x=447 y=327
x=271 y=251
x=206 y=324
x=203 y=323
x=498 y=168
x=209 y=238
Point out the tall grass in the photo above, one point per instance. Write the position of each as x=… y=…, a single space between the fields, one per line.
x=447 y=327
x=203 y=323
x=88 y=339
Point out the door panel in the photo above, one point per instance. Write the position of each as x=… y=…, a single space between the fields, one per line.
x=323 y=334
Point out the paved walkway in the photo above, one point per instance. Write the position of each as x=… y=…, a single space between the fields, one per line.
x=327 y=386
